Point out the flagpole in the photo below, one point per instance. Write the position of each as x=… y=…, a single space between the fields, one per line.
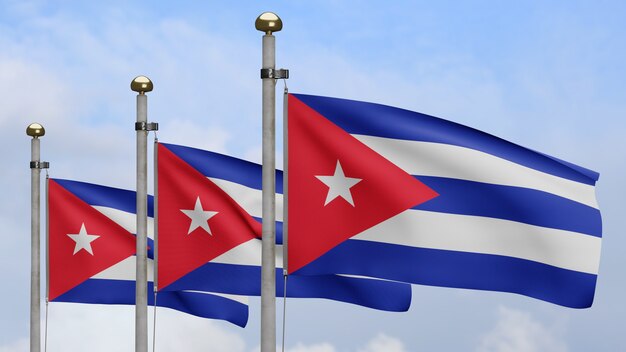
x=285 y=207
x=285 y=181
x=268 y=22
x=141 y=85
x=47 y=260
x=155 y=216
x=35 y=130
x=155 y=232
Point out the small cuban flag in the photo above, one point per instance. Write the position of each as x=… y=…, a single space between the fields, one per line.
x=91 y=251
x=209 y=235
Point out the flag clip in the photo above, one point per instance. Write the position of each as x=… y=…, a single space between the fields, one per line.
x=39 y=164
x=275 y=74
x=146 y=126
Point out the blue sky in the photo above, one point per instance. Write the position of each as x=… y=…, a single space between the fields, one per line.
x=549 y=76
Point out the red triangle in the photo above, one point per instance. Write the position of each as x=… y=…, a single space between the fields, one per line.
x=67 y=213
x=181 y=252
x=315 y=146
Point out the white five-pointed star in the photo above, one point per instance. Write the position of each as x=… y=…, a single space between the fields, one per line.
x=199 y=217
x=83 y=240
x=339 y=185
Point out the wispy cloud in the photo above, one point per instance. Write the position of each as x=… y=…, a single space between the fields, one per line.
x=518 y=331
x=76 y=327
x=384 y=343
x=379 y=343
x=320 y=347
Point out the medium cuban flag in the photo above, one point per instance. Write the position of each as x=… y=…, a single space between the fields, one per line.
x=209 y=228
x=91 y=249
x=384 y=192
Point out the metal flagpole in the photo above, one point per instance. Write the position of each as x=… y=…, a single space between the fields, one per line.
x=155 y=224
x=155 y=231
x=268 y=23
x=285 y=206
x=35 y=130
x=141 y=85
x=285 y=181
x=47 y=260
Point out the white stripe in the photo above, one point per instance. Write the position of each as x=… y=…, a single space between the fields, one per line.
x=125 y=219
x=444 y=160
x=238 y=298
x=248 y=253
x=125 y=270
x=249 y=199
x=414 y=228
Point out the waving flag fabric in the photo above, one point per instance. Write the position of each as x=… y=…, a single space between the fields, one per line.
x=209 y=234
x=91 y=254
x=384 y=192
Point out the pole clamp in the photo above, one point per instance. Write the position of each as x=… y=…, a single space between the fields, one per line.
x=39 y=164
x=275 y=74
x=146 y=126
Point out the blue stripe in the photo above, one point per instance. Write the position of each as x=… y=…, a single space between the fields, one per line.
x=223 y=167
x=279 y=229
x=151 y=248
x=503 y=202
x=97 y=195
x=371 y=119
x=102 y=291
x=511 y=203
x=246 y=280
x=459 y=270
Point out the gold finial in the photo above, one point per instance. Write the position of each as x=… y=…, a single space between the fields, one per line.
x=35 y=130
x=268 y=22
x=141 y=84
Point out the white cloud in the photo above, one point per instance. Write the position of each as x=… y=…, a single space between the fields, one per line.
x=72 y=85
x=384 y=343
x=83 y=327
x=180 y=332
x=320 y=347
x=517 y=331
x=380 y=343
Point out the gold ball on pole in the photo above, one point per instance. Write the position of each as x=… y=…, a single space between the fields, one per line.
x=35 y=130
x=141 y=84
x=268 y=22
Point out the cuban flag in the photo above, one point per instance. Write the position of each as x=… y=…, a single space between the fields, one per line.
x=209 y=229
x=91 y=254
x=384 y=192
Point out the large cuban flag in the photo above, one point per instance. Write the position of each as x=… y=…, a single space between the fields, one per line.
x=91 y=246
x=209 y=228
x=384 y=192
